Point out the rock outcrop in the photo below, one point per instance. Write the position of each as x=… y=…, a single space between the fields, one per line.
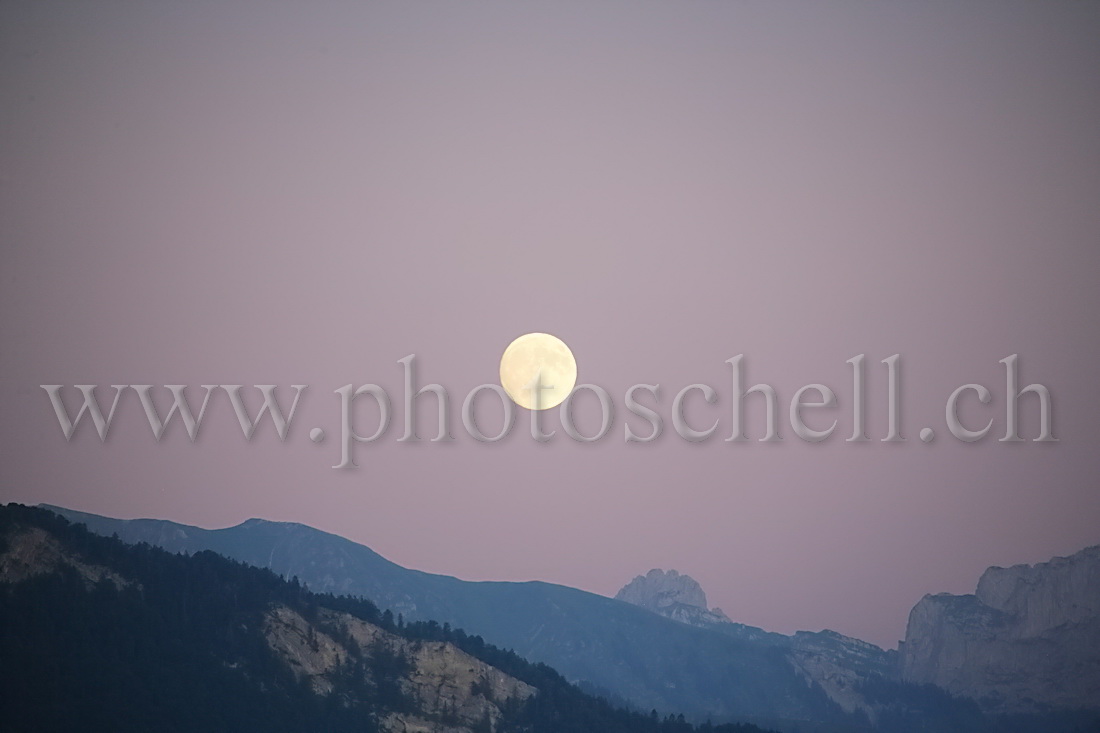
x=672 y=595
x=841 y=666
x=451 y=691
x=1026 y=640
x=33 y=551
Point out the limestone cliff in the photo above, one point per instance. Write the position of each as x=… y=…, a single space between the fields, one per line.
x=1027 y=639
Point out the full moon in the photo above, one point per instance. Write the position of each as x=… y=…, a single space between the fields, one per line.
x=533 y=360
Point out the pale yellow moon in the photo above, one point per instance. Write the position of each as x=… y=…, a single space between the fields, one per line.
x=538 y=359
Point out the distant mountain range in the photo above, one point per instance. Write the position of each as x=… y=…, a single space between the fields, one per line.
x=838 y=664
x=657 y=647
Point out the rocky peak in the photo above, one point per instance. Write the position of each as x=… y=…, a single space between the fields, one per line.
x=673 y=595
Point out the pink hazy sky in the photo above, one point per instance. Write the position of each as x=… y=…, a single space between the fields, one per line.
x=259 y=193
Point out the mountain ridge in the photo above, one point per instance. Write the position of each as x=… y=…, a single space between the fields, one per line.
x=585 y=636
x=714 y=669
x=837 y=663
x=96 y=634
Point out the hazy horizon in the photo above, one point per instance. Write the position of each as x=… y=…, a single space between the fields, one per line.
x=256 y=193
x=611 y=594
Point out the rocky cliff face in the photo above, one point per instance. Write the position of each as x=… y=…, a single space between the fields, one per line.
x=1027 y=639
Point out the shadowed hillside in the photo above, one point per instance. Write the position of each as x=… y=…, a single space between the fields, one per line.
x=99 y=635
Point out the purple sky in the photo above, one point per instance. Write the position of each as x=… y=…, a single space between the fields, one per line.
x=256 y=193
